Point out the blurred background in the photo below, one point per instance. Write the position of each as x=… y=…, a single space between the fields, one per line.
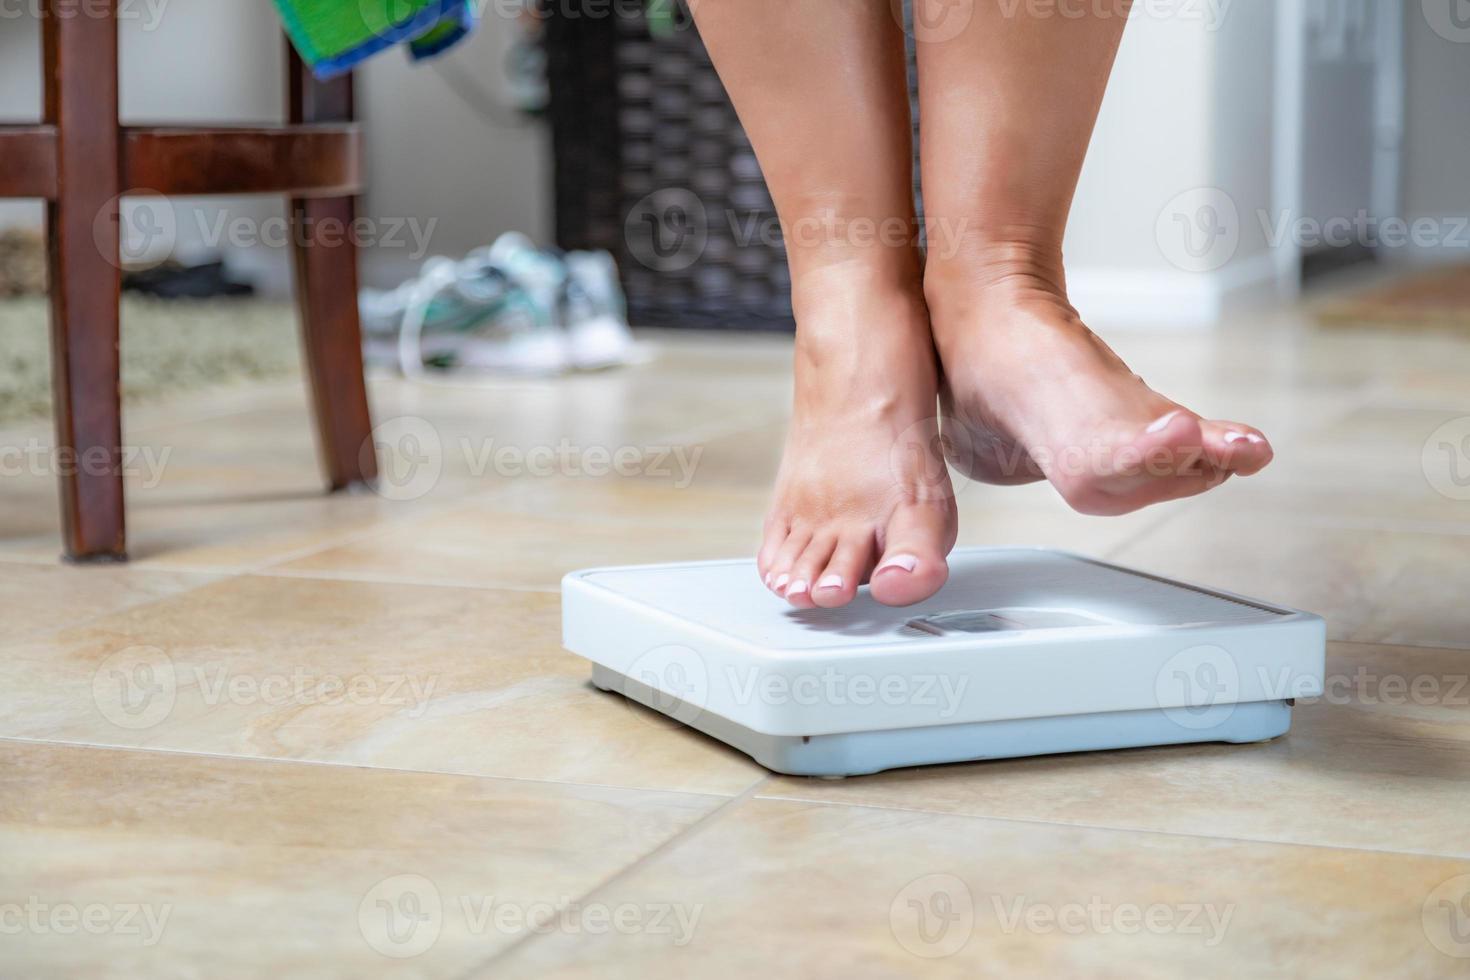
x=1244 y=148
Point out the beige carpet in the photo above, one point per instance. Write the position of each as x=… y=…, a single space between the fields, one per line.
x=167 y=346
x=1435 y=298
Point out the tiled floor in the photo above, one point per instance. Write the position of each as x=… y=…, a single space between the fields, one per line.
x=312 y=736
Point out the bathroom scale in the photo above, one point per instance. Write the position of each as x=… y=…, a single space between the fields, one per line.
x=1023 y=652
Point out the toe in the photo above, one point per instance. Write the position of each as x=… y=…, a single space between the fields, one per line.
x=791 y=549
x=913 y=566
x=837 y=584
x=807 y=567
x=1143 y=468
x=1171 y=445
x=1236 y=448
x=773 y=537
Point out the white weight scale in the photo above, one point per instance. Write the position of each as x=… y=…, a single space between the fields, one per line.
x=1023 y=652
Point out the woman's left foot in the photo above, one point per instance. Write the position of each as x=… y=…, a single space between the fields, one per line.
x=1030 y=393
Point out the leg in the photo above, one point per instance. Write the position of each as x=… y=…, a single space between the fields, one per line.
x=1008 y=105
x=326 y=295
x=820 y=87
x=82 y=231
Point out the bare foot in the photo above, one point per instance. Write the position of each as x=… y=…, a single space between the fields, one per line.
x=863 y=495
x=1030 y=393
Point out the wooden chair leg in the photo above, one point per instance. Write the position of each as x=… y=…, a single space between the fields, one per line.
x=80 y=55
x=326 y=295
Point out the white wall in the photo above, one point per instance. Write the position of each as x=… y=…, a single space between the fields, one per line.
x=1436 y=163
x=1163 y=231
x=474 y=169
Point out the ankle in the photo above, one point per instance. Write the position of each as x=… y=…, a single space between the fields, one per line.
x=979 y=264
x=848 y=298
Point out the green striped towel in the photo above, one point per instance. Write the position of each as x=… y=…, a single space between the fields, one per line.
x=333 y=36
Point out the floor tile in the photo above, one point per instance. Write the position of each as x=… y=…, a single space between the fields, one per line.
x=1036 y=516
x=47 y=597
x=489 y=545
x=1381 y=760
x=410 y=677
x=220 y=494
x=1372 y=586
x=185 y=863
x=801 y=889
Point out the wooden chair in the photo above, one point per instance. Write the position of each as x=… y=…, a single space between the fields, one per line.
x=80 y=160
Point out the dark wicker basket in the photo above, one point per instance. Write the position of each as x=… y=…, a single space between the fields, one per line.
x=652 y=165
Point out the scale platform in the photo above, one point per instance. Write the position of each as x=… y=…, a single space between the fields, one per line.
x=1023 y=652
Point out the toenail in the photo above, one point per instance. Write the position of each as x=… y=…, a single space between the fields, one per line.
x=830 y=582
x=768 y=580
x=1255 y=438
x=907 y=562
x=781 y=581
x=1234 y=436
x=797 y=588
x=1160 y=425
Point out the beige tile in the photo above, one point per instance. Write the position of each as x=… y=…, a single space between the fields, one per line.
x=645 y=501
x=1383 y=463
x=485 y=544
x=227 y=525
x=1381 y=760
x=745 y=459
x=187 y=863
x=538 y=531
x=52 y=596
x=410 y=677
x=1372 y=586
x=611 y=409
x=224 y=494
x=1031 y=515
x=799 y=889
x=1035 y=516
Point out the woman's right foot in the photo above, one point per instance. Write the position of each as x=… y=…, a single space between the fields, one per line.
x=863 y=495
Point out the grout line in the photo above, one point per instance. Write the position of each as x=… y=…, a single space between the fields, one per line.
x=375 y=528
x=387 y=578
x=329 y=764
x=626 y=871
x=52 y=629
x=1109 y=828
x=729 y=802
x=1420 y=648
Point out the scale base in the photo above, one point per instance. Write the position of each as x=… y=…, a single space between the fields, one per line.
x=864 y=753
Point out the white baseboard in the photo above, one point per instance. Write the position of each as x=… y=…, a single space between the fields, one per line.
x=1152 y=299
x=1451 y=244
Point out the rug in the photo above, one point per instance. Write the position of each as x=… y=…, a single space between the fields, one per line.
x=168 y=346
